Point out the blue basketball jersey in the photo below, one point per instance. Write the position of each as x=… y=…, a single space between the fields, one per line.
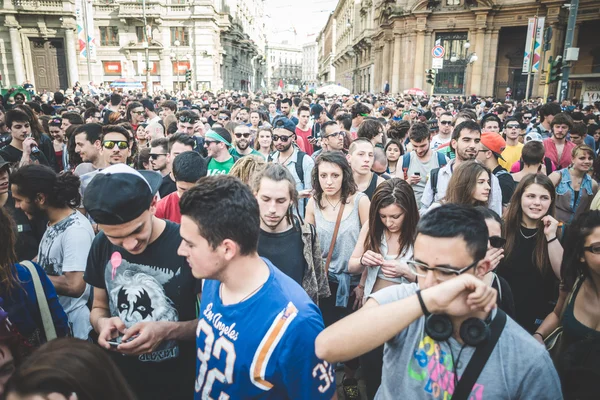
x=263 y=347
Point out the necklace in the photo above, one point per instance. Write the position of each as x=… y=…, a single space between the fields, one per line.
x=284 y=161
x=527 y=237
x=332 y=206
x=250 y=294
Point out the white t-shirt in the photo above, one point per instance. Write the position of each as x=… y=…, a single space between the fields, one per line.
x=437 y=141
x=64 y=248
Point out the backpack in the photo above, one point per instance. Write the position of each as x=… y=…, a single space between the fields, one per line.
x=433 y=177
x=406 y=163
x=298 y=165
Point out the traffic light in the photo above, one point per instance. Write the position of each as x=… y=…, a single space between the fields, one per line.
x=430 y=76
x=188 y=75
x=556 y=67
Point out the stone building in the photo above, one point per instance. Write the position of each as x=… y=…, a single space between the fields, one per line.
x=221 y=42
x=309 y=64
x=379 y=41
x=326 y=52
x=284 y=64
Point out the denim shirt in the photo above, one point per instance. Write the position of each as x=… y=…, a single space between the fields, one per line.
x=566 y=207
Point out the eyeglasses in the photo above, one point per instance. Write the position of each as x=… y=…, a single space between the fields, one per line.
x=441 y=274
x=594 y=249
x=336 y=134
x=121 y=144
x=281 y=137
x=239 y=135
x=512 y=126
x=138 y=112
x=156 y=155
x=497 y=242
x=446 y=122
x=209 y=142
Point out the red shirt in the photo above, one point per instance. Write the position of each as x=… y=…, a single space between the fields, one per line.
x=303 y=135
x=168 y=208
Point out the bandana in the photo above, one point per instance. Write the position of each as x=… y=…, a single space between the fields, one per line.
x=214 y=135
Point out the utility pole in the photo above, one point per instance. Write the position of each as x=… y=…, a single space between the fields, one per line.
x=147 y=45
x=531 y=50
x=564 y=85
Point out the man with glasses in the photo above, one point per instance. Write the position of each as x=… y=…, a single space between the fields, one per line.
x=187 y=123
x=177 y=144
x=332 y=138
x=137 y=115
x=217 y=143
x=527 y=120
x=444 y=130
x=213 y=113
x=224 y=117
x=419 y=360
x=296 y=161
x=241 y=142
x=513 y=130
x=159 y=149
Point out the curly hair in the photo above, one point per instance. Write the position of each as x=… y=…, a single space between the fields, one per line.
x=247 y=167
x=60 y=190
x=8 y=255
x=398 y=130
x=349 y=186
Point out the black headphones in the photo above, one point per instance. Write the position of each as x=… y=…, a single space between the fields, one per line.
x=473 y=331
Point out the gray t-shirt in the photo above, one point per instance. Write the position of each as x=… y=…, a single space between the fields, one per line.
x=417 y=367
x=64 y=248
x=422 y=168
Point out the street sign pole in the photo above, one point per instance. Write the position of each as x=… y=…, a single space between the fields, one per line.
x=564 y=84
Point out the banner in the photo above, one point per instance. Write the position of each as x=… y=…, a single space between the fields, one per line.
x=530 y=38
x=538 y=45
x=84 y=14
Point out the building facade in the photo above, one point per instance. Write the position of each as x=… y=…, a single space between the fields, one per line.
x=284 y=66
x=221 y=42
x=379 y=41
x=309 y=64
x=326 y=52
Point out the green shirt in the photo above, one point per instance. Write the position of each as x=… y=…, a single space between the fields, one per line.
x=215 y=167
x=233 y=151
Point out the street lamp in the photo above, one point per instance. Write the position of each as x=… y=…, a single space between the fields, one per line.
x=175 y=55
x=471 y=57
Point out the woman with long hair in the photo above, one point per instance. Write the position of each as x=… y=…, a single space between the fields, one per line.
x=383 y=247
x=578 y=309
x=69 y=369
x=393 y=151
x=264 y=142
x=43 y=141
x=575 y=189
x=533 y=254
x=335 y=196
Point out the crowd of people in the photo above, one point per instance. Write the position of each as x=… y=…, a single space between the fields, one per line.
x=293 y=245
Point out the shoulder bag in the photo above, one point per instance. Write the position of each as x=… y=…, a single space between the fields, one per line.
x=40 y=294
x=334 y=237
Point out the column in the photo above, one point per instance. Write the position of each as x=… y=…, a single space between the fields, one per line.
x=419 y=65
x=377 y=78
x=72 y=71
x=17 y=55
x=385 y=76
x=395 y=87
x=493 y=59
x=477 y=66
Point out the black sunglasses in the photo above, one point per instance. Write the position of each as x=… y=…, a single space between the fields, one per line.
x=223 y=118
x=512 y=126
x=209 y=142
x=239 y=135
x=497 y=242
x=110 y=144
x=446 y=122
x=214 y=108
x=187 y=119
x=281 y=137
x=155 y=156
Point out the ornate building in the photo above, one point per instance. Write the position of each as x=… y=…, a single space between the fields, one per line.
x=379 y=41
x=309 y=64
x=221 y=42
x=284 y=66
x=326 y=52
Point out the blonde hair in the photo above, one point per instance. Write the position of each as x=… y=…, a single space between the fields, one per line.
x=247 y=167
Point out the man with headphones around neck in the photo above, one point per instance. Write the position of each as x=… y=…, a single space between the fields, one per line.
x=435 y=329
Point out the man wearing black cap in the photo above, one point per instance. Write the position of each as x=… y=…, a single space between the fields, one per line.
x=144 y=293
x=297 y=162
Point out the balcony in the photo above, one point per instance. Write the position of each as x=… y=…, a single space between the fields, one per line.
x=135 y=9
x=39 y=6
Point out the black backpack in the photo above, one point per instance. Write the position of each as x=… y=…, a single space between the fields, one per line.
x=299 y=163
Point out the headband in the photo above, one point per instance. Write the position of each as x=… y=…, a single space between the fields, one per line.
x=214 y=135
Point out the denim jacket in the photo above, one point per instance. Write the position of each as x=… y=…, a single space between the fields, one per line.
x=566 y=207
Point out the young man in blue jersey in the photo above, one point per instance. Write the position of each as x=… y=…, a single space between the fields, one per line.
x=257 y=327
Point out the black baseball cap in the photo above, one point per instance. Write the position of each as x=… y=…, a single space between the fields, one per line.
x=316 y=110
x=119 y=194
x=3 y=163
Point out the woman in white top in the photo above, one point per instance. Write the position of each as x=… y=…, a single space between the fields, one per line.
x=383 y=247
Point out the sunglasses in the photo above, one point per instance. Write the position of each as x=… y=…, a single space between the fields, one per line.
x=209 y=142
x=155 y=156
x=512 y=126
x=110 y=144
x=498 y=242
x=446 y=122
x=526 y=117
x=214 y=108
x=239 y=135
x=187 y=119
x=223 y=118
x=281 y=137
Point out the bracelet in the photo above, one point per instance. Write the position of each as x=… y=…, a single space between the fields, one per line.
x=537 y=333
x=361 y=286
x=360 y=261
x=423 y=307
x=552 y=240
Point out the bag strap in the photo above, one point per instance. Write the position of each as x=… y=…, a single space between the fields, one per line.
x=334 y=237
x=40 y=294
x=569 y=298
x=479 y=359
x=406 y=165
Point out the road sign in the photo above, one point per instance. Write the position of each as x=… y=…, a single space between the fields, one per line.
x=438 y=52
x=437 y=63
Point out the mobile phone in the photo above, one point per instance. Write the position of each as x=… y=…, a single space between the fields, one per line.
x=417 y=173
x=309 y=137
x=119 y=339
